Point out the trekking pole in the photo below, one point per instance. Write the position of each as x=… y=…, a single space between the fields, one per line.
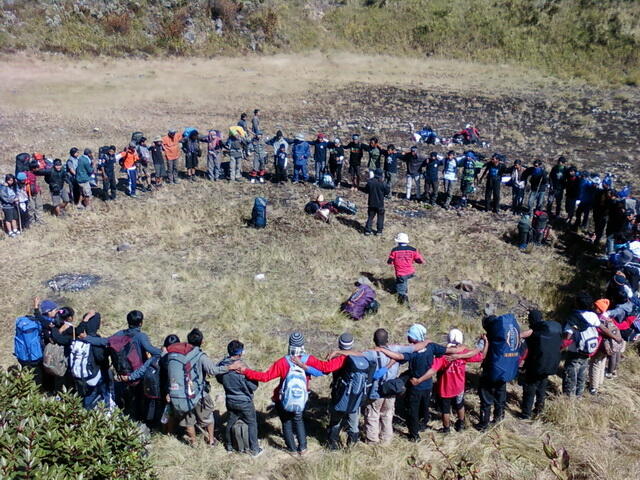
x=19 y=216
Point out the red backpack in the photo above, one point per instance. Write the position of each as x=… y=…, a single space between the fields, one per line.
x=124 y=355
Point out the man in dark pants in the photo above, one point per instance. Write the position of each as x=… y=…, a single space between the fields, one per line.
x=107 y=167
x=238 y=392
x=572 y=190
x=556 y=185
x=544 y=340
x=431 y=178
x=377 y=190
x=493 y=169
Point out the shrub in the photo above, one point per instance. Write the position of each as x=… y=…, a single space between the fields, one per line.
x=46 y=438
x=117 y=24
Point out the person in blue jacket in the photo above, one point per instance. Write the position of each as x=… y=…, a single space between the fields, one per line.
x=300 y=153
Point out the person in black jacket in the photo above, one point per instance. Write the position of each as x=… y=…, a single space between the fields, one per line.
x=538 y=181
x=59 y=186
x=107 y=168
x=572 y=191
x=493 y=169
x=239 y=399
x=377 y=190
x=544 y=340
x=356 y=150
x=556 y=185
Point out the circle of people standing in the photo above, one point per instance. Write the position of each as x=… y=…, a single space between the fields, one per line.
x=167 y=388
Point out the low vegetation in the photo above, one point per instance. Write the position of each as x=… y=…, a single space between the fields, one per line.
x=593 y=39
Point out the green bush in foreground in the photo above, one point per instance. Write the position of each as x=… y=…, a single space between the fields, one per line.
x=47 y=438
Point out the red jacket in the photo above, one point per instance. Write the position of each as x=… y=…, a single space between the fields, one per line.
x=452 y=375
x=402 y=258
x=280 y=368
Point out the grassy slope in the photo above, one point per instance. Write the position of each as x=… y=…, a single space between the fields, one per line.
x=192 y=263
x=593 y=39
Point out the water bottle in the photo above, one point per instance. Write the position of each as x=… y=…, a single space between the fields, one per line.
x=165 y=414
x=480 y=344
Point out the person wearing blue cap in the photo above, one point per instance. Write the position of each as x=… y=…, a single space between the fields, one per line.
x=418 y=396
x=377 y=189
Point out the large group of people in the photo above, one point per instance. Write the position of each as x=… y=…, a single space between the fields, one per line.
x=167 y=387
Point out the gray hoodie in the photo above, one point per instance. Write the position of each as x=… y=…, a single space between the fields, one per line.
x=237 y=388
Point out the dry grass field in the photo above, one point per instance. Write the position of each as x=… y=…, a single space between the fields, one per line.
x=192 y=260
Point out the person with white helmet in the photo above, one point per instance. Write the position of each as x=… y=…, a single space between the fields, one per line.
x=402 y=257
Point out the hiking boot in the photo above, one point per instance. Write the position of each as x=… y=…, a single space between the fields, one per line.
x=481 y=427
x=444 y=430
x=459 y=426
x=403 y=299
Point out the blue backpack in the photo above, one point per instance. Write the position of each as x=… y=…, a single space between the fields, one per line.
x=259 y=213
x=188 y=131
x=501 y=363
x=294 y=393
x=27 y=346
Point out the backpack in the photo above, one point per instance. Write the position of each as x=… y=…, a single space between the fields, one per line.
x=259 y=213
x=22 y=162
x=188 y=131
x=353 y=385
x=294 y=393
x=501 y=362
x=54 y=360
x=186 y=385
x=27 y=343
x=240 y=436
x=344 y=206
x=544 y=349
x=124 y=356
x=81 y=364
x=327 y=182
x=136 y=136
x=585 y=335
x=103 y=151
x=151 y=380
x=311 y=207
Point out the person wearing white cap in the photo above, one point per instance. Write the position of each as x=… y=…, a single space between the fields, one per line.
x=402 y=257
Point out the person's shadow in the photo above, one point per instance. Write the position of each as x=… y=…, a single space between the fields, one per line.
x=351 y=223
x=385 y=283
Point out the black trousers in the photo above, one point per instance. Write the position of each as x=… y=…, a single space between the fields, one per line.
x=372 y=213
x=417 y=403
x=246 y=412
x=492 y=394
x=599 y=223
x=109 y=185
x=534 y=389
x=492 y=190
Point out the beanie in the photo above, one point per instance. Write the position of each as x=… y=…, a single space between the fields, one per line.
x=455 y=337
x=47 y=305
x=602 y=304
x=296 y=339
x=345 y=342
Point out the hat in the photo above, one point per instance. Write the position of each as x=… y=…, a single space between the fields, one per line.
x=320 y=198
x=355 y=135
x=535 y=316
x=296 y=339
x=91 y=326
x=38 y=156
x=455 y=337
x=417 y=332
x=300 y=136
x=47 y=305
x=378 y=173
x=157 y=139
x=172 y=131
x=345 y=342
x=401 y=238
x=619 y=279
x=21 y=176
x=602 y=304
x=468 y=125
x=321 y=135
x=336 y=140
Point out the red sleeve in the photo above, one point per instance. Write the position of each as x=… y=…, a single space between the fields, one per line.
x=279 y=369
x=326 y=367
x=391 y=258
x=478 y=357
x=439 y=363
x=418 y=257
x=625 y=324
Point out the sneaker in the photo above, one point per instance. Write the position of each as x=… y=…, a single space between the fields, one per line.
x=377 y=232
x=18 y=232
x=368 y=232
x=11 y=234
x=261 y=180
x=303 y=453
x=444 y=430
x=593 y=391
x=257 y=453
x=459 y=426
x=608 y=375
x=253 y=180
x=482 y=427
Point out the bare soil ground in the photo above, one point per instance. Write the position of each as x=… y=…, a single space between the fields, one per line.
x=192 y=259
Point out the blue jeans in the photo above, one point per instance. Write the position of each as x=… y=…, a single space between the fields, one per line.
x=319 y=168
x=292 y=426
x=94 y=394
x=300 y=172
x=132 y=173
x=402 y=284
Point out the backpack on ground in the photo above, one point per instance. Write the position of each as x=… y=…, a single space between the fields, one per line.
x=327 y=182
x=27 y=343
x=545 y=358
x=294 y=393
x=240 y=437
x=54 y=360
x=81 y=365
x=353 y=385
x=259 y=213
x=585 y=335
x=311 y=207
x=124 y=356
x=136 y=136
x=501 y=363
x=344 y=206
x=151 y=380
x=186 y=385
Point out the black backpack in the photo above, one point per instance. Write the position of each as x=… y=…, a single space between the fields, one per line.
x=136 y=136
x=22 y=162
x=543 y=357
x=311 y=207
x=352 y=386
x=151 y=380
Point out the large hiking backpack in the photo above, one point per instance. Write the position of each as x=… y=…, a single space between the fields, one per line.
x=240 y=436
x=81 y=364
x=22 y=162
x=544 y=358
x=353 y=385
x=294 y=393
x=311 y=207
x=501 y=363
x=327 y=182
x=585 y=335
x=27 y=343
x=259 y=213
x=344 y=206
x=124 y=356
x=54 y=361
x=151 y=380
x=136 y=136
x=186 y=385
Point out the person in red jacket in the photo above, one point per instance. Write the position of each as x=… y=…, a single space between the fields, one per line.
x=279 y=369
x=402 y=257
